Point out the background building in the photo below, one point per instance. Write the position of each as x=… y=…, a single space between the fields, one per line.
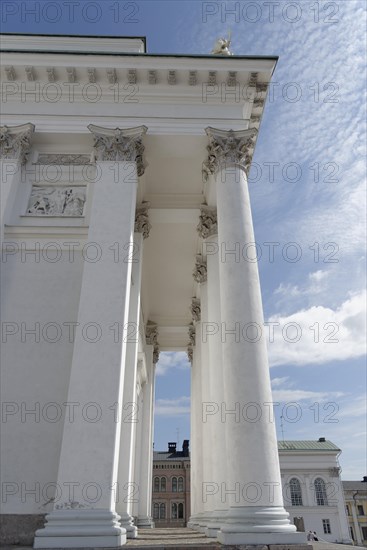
x=171 y=486
x=312 y=489
x=355 y=493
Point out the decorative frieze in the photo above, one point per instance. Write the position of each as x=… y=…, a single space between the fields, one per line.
x=212 y=79
x=119 y=145
x=111 y=76
x=10 y=73
x=232 y=78
x=92 y=77
x=207 y=221
x=61 y=159
x=131 y=76
x=51 y=75
x=152 y=77
x=195 y=309
x=29 y=71
x=142 y=224
x=171 y=77
x=193 y=78
x=200 y=272
x=228 y=148
x=15 y=142
x=71 y=74
x=253 y=79
x=57 y=201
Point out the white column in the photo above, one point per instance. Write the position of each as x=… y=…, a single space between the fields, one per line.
x=207 y=476
x=129 y=414
x=212 y=333
x=146 y=459
x=196 y=448
x=256 y=513
x=89 y=453
x=15 y=144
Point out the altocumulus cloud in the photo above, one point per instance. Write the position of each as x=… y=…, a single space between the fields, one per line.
x=173 y=407
x=319 y=334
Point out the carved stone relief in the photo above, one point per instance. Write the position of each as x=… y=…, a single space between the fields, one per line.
x=57 y=201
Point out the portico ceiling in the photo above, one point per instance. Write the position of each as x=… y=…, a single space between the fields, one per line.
x=173 y=185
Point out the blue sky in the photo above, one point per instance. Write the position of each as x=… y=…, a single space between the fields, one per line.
x=307 y=187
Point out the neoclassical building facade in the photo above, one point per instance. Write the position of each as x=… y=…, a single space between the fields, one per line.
x=311 y=485
x=122 y=174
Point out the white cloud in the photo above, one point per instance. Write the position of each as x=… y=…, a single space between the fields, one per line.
x=320 y=334
x=173 y=407
x=171 y=360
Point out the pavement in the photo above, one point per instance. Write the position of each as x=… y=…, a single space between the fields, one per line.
x=187 y=539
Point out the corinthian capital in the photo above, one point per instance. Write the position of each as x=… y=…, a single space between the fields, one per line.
x=229 y=147
x=142 y=224
x=207 y=221
x=120 y=145
x=195 y=309
x=15 y=142
x=151 y=333
x=200 y=272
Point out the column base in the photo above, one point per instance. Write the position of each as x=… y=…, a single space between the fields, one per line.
x=259 y=525
x=215 y=522
x=127 y=522
x=80 y=529
x=203 y=520
x=193 y=522
x=145 y=522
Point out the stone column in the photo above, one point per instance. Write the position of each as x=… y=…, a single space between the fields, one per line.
x=253 y=494
x=196 y=449
x=146 y=449
x=211 y=335
x=85 y=514
x=15 y=144
x=130 y=405
x=199 y=309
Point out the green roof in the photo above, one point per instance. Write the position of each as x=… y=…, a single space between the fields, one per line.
x=307 y=445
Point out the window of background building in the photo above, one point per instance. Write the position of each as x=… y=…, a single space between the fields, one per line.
x=162 y=511
x=320 y=492
x=352 y=533
x=364 y=533
x=326 y=526
x=156 y=484
x=296 y=492
x=174 y=485
x=347 y=511
x=163 y=484
x=180 y=484
x=360 y=510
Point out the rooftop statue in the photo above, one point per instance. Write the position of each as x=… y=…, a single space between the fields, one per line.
x=221 y=47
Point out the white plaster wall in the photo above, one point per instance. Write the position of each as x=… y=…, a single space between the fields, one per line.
x=34 y=373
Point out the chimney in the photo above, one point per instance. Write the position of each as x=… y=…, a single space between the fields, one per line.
x=172 y=447
x=364 y=480
x=185 y=447
x=322 y=439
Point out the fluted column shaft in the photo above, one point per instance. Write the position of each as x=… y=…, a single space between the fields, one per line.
x=90 y=450
x=126 y=457
x=212 y=412
x=253 y=493
x=146 y=447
